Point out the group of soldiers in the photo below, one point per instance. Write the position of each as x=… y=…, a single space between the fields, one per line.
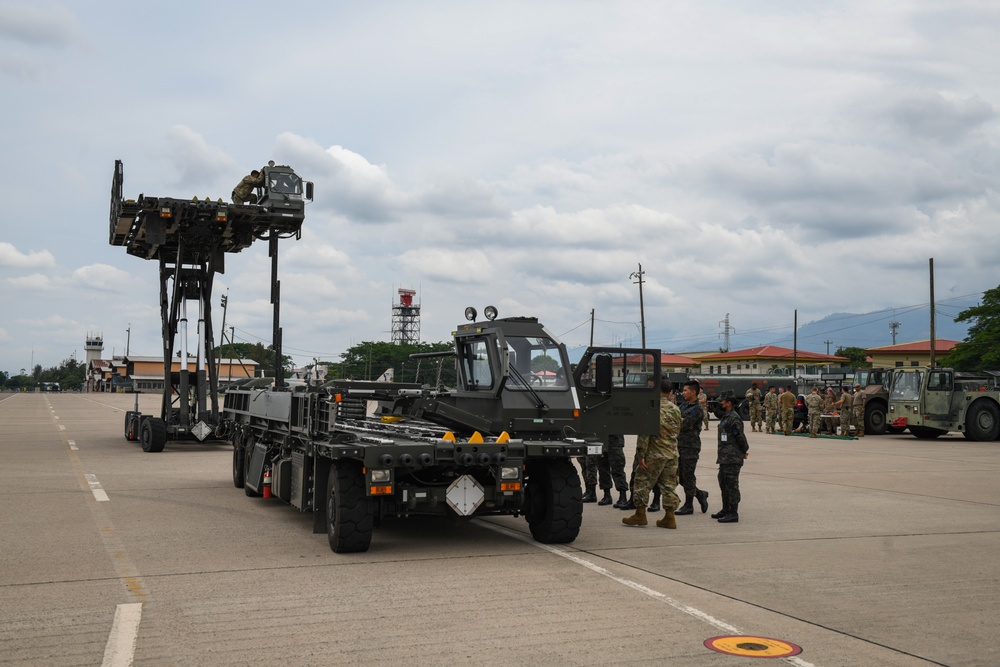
x=670 y=457
x=822 y=407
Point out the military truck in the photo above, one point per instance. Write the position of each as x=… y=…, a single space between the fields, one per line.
x=933 y=401
x=876 y=384
x=355 y=453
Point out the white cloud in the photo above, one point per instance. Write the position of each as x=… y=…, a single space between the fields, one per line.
x=101 y=277
x=11 y=257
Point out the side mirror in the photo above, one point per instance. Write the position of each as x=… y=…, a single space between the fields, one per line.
x=309 y=191
x=603 y=374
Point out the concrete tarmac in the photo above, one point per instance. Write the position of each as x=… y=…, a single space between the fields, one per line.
x=879 y=551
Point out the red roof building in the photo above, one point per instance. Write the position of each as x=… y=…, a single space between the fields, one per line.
x=917 y=353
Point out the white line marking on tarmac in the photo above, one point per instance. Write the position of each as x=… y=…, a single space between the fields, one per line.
x=594 y=567
x=95 y=488
x=72 y=445
x=120 y=649
x=61 y=427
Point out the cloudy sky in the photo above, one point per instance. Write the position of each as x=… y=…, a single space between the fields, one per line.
x=755 y=158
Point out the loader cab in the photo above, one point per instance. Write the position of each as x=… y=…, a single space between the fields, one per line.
x=285 y=195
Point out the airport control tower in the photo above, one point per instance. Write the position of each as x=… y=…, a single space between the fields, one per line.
x=94 y=347
x=406 y=318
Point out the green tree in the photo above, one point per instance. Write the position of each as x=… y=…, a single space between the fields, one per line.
x=980 y=349
x=543 y=363
x=855 y=355
x=368 y=360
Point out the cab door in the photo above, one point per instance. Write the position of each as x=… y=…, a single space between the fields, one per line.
x=938 y=397
x=619 y=391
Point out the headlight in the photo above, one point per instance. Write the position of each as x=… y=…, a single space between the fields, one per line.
x=510 y=472
x=380 y=475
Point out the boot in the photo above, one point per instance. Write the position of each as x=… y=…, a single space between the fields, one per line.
x=702 y=497
x=622 y=500
x=591 y=495
x=655 y=505
x=732 y=517
x=686 y=508
x=606 y=500
x=721 y=513
x=667 y=521
x=637 y=519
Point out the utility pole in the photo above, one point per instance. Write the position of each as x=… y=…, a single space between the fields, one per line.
x=128 y=338
x=726 y=331
x=591 y=327
x=828 y=347
x=932 y=311
x=893 y=327
x=642 y=311
x=795 y=347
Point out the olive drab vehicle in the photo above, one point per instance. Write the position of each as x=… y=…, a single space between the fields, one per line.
x=499 y=443
x=190 y=238
x=933 y=401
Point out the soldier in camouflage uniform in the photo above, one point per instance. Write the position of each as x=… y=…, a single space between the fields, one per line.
x=770 y=408
x=733 y=449
x=242 y=191
x=846 y=410
x=859 y=410
x=815 y=404
x=689 y=448
x=703 y=400
x=829 y=406
x=658 y=460
x=753 y=396
x=608 y=467
x=787 y=401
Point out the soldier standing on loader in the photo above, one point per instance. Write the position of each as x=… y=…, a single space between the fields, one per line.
x=658 y=460
x=243 y=192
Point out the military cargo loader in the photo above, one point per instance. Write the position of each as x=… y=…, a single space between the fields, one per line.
x=500 y=443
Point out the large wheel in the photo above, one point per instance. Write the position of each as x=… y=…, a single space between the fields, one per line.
x=554 y=501
x=982 y=421
x=875 y=420
x=348 y=510
x=239 y=463
x=926 y=432
x=153 y=435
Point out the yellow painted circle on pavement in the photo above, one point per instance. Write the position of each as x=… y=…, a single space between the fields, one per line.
x=752 y=647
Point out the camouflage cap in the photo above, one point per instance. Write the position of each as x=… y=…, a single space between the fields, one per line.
x=728 y=395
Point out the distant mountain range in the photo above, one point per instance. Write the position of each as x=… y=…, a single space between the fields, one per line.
x=863 y=330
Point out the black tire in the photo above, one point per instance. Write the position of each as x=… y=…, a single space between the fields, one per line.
x=239 y=464
x=153 y=435
x=982 y=421
x=926 y=433
x=875 y=419
x=553 y=497
x=348 y=509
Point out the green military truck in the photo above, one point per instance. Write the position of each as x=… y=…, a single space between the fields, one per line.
x=933 y=401
x=499 y=443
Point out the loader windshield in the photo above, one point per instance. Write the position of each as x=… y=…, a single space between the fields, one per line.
x=535 y=361
x=906 y=385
